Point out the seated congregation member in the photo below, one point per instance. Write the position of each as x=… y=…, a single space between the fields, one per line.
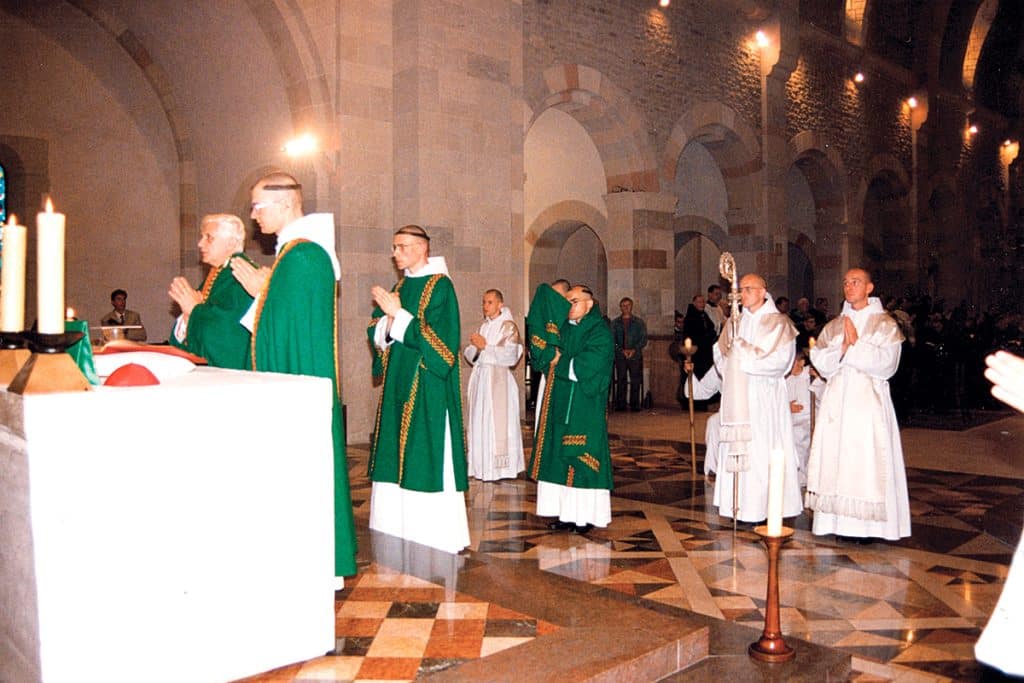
x=122 y=316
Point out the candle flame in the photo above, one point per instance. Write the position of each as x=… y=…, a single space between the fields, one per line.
x=12 y=220
x=70 y=313
x=49 y=205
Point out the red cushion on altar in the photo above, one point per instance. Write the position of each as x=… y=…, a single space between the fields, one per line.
x=131 y=375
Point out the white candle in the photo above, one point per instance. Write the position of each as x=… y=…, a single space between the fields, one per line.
x=12 y=277
x=776 y=475
x=50 y=270
x=687 y=344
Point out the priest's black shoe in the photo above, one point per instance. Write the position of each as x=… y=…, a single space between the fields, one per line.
x=584 y=529
x=558 y=525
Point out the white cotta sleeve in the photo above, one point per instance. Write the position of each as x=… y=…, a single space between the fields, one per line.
x=507 y=351
x=879 y=362
x=398 y=325
x=828 y=359
x=708 y=385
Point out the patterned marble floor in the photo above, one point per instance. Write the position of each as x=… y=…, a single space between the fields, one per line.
x=907 y=611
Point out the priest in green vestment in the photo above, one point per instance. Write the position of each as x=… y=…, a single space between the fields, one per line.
x=294 y=319
x=209 y=325
x=418 y=448
x=548 y=310
x=571 y=460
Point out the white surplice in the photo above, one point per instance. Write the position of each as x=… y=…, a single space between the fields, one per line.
x=495 y=438
x=771 y=426
x=856 y=479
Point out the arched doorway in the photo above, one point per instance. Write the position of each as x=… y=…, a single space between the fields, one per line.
x=696 y=266
x=572 y=250
x=816 y=216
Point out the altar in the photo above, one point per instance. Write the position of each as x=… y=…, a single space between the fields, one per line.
x=180 y=532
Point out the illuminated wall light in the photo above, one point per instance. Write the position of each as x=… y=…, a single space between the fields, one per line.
x=664 y=3
x=912 y=102
x=972 y=129
x=300 y=146
x=1007 y=142
x=858 y=77
x=761 y=38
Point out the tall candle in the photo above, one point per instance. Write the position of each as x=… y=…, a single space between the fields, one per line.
x=12 y=277
x=50 y=270
x=776 y=475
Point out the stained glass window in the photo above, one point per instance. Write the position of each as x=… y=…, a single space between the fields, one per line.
x=3 y=203
x=3 y=196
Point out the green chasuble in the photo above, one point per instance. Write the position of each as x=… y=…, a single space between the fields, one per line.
x=421 y=388
x=214 y=331
x=296 y=333
x=548 y=311
x=571 y=446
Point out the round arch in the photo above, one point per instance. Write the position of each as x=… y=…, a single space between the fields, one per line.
x=608 y=115
x=815 y=158
x=549 y=235
x=734 y=145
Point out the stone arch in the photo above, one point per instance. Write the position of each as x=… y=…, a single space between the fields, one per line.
x=698 y=243
x=734 y=145
x=308 y=97
x=548 y=234
x=608 y=115
x=822 y=168
x=156 y=76
x=983 y=18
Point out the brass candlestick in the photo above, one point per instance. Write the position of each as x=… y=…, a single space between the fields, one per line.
x=689 y=350
x=771 y=647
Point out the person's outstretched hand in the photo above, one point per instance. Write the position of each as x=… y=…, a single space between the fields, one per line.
x=1006 y=372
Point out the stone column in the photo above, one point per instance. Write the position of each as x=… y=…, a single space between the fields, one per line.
x=458 y=139
x=778 y=59
x=641 y=255
x=641 y=260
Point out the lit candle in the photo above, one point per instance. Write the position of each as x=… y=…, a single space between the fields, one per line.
x=12 y=277
x=50 y=270
x=776 y=475
x=687 y=344
x=69 y=314
x=811 y=342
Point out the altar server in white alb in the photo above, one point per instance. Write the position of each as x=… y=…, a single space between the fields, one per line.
x=856 y=482
x=495 y=439
x=755 y=415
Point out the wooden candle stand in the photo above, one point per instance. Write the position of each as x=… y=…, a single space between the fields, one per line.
x=771 y=647
x=11 y=361
x=49 y=369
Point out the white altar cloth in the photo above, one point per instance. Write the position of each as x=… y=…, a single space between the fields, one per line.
x=181 y=532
